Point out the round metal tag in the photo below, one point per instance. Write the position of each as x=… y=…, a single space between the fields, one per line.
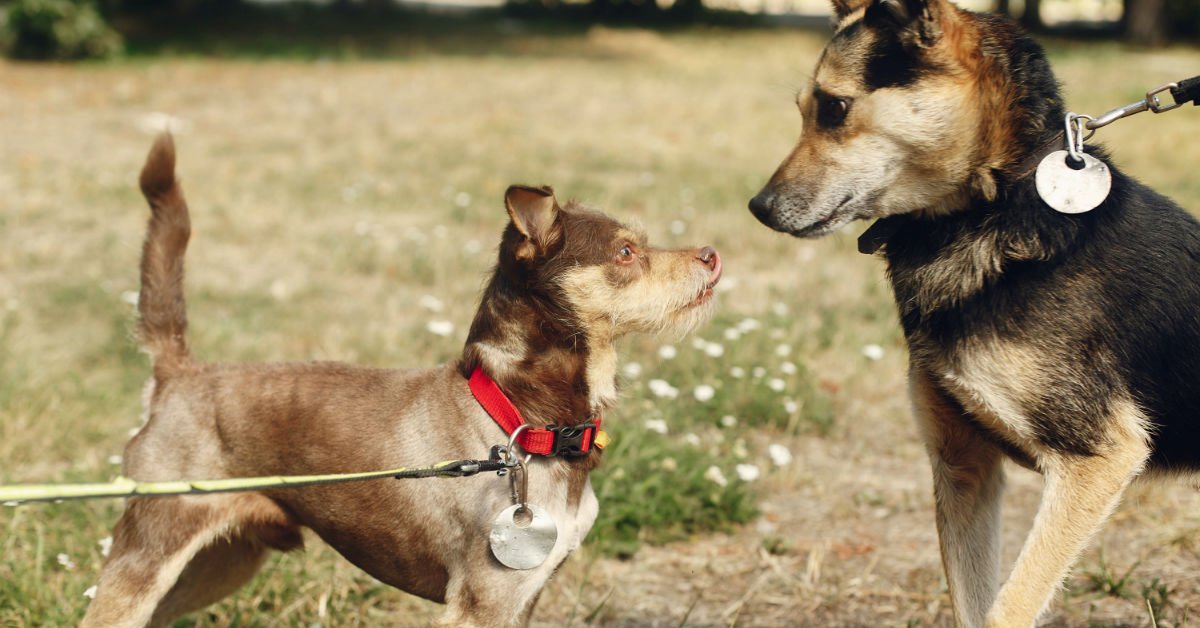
x=1072 y=191
x=523 y=546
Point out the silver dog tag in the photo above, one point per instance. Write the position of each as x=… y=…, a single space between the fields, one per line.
x=1072 y=191
x=522 y=541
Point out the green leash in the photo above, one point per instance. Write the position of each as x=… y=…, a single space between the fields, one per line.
x=125 y=487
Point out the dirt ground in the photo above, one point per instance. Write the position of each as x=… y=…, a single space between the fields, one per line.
x=854 y=520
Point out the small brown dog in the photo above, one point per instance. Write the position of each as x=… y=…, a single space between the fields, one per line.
x=568 y=283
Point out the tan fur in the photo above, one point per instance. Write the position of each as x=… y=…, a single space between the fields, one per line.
x=1079 y=494
x=968 y=482
x=173 y=555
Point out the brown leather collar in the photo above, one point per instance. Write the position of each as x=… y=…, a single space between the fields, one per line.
x=1031 y=163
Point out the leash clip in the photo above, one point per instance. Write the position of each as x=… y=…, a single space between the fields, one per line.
x=1152 y=98
x=1150 y=103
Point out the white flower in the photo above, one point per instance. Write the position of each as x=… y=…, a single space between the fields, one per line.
x=699 y=343
x=666 y=352
x=729 y=420
x=279 y=290
x=748 y=472
x=656 y=425
x=759 y=372
x=472 y=247
x=692 y=439
x=66 y=561
x=739 y=449
x=158 y=121
x=732 y=333
x=669 y=464
x=661 y=388
x=788 y=368
x=780 y=309
x=115 y=459
x=678 y=227
x=431 y=303
x=776 y=384
x=440 y=328
x=748 y=325
x=873 y=352
x=129 y=296
x=90 y=593
x=703 y=392
x=737 y=372
x=783 y=350
x=415 y=235
x=790 y=406
x=105 y=545
x=780 y=455
x=632 y=370
x=714 y=350
x=462 y=199
x=714 y=475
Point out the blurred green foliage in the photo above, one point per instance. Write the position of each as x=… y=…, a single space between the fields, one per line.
x=56 y=30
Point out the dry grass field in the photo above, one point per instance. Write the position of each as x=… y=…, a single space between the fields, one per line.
x=341 y=206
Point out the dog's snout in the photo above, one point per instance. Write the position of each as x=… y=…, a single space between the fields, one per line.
x=709 y=257
x=760 y=205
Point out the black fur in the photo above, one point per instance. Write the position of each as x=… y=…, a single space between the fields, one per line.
x=1113 y=295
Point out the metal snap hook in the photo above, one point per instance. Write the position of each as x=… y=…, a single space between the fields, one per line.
x=1075 y=127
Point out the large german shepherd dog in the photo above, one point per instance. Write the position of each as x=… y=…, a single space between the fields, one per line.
x=1069 y=343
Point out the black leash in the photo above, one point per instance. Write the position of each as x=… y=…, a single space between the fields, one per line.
x=1187 y=90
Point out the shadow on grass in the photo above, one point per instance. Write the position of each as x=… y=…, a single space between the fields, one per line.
x=330 y=32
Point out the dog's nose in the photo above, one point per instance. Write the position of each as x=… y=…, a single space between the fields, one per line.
x=760 y=205
x=709 y=256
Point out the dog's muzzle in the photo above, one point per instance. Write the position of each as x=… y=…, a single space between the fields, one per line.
x=760 y=206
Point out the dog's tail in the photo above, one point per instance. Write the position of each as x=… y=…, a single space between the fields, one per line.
x=162 y=322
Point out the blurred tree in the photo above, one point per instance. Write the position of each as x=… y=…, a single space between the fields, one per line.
x=1145 y=21
x=1031 y=17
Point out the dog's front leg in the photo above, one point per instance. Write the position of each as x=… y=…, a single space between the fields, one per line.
x=968 y=483
x=1079 y=493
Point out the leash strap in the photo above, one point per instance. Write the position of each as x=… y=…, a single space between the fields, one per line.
x=569 y=441
x=1188 y=90
x=125 y=487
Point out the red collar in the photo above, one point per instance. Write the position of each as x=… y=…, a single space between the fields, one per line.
x=569 y=441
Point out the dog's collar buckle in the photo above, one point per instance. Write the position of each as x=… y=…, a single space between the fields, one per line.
x=566 y=441
x=573 y=441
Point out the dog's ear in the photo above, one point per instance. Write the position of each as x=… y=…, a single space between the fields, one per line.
x=534 y=212
x=842 y=8
x=916 y=21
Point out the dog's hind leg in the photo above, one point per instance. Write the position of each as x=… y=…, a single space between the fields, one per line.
x=968 y=483
x=1080 y=492
x=174 y=555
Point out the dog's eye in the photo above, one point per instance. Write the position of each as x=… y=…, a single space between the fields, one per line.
x=625 y=254
x=832 y=111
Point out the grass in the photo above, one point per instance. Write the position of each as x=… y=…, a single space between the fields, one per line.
x=330 y=196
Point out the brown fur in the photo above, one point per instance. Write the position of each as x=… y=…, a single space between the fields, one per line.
x=540 y=337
